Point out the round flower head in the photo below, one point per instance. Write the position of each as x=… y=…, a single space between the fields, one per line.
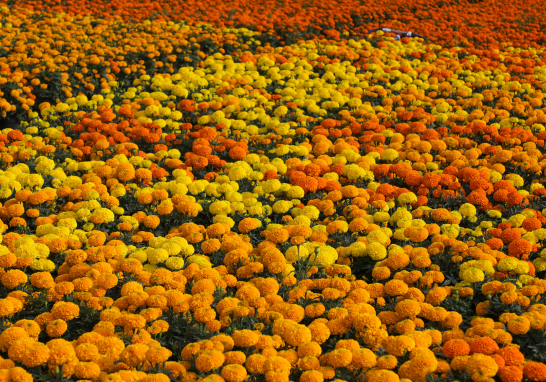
x=480 y=365
x=234 y=373
x=10 y=335
x=208 y=360
x=255 y=363
x=363 y=358
x=535 y=371
x=388 y=362
x=396 y=288
x=19 y=347
x=398 y=346
x=511 y=374
x=340 y=358
x=56 y=328
x=36 y=355
x=376 y=251
x=379 y=375
x=297 y=335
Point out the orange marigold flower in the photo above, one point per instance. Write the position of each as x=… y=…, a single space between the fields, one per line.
x=14 y=278
x=340 y=358
x=36 y=355
x=519 y=247
x=56 y=328
x=535 y=371
x=484 y=345
x=511 y=355
x=65 y=310
x=245 y=338
x=531 y=224
x=396 y=288
x=511 y=374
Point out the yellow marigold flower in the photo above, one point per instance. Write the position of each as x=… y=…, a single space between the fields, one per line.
x=473 y=275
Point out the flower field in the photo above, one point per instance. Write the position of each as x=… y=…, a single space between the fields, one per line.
x=261 y=191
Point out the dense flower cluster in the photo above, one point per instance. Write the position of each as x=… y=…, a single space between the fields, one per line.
x=197 y=204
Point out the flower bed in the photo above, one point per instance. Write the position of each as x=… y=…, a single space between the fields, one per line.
x=190 y=202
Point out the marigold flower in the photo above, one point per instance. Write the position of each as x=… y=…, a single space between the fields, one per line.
x=519 y=325
x=13 y=278
x=396 y=288
x=363 y=359
x=234 y=373
x=235 y=357
x=511 y=355
x=340 y=358
x=208 y=360
x=61 y=352
x=111 y=347
x=87 y=370
x=36 y=355
x=535 y=371
x=10 y=335
x=484 y=345
x=255 y=363
x=311 y=376
x=481 y=366
x=56 y=328
x=157 y=355
x=511 y=374
x=388 y=362
x=398 y=346
x=18 y=348
x=297 y=335
x=65 y=310
x=382 y=376
x=86 y=352
x=519 y=247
